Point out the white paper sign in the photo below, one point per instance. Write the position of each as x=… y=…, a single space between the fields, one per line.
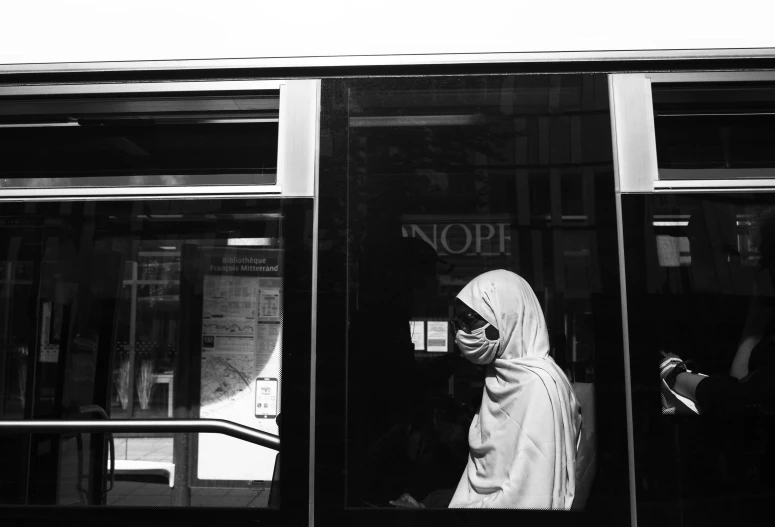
x=438 y=336
x=417 y=328
x=241 y=359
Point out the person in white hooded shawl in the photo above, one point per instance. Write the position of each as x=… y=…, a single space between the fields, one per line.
x=524 y=439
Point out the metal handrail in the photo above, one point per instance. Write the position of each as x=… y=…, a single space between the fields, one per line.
x=211 y=426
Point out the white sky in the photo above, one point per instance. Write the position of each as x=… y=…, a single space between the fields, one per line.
x=36 y=31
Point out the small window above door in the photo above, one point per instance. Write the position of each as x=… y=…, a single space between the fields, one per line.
x=171 y=139
x=140 y=141
x=714 y=131
x=693 y=131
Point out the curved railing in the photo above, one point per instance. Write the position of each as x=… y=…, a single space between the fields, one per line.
x=208 y=426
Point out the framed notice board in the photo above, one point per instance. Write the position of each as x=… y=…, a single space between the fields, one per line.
x=237 y=313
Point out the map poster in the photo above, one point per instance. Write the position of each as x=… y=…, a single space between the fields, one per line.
x=241 y=342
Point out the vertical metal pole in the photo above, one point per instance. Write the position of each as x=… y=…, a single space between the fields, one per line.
x=617 y=142
x=313 y=343
x=184 y=374
x=627 y=378
x=181 y=493
x=132 y=340
x=32 y=361
x=6 y=350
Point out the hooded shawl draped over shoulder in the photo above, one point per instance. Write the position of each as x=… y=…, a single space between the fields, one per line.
x=524 y=439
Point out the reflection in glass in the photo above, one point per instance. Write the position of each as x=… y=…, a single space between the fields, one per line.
x=700 y=291
x=95 y=301
x=447 y=178
x=513 y=435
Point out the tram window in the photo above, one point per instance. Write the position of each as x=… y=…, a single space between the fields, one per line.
x=700 y=288
x=137 y=310
x=714 y=131
x=140 y=141
x=425 y=185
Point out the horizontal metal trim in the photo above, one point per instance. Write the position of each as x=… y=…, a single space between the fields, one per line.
x=134 y=87
x=66 y=180
x=712 y=76
x=716 y=174
x=712 y=183
x=40 y=125
x=415 y=120
x=163 y=120
x=156 y=197
x=391 y=60
x=709 y=190
x=144 y=192
x=223 y=121
x=712 y=114
x=152 y=198
x=202 y=426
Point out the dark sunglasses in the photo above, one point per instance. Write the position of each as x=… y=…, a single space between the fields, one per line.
x=466 y=323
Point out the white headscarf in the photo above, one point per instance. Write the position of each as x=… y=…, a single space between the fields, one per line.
x=523 y=441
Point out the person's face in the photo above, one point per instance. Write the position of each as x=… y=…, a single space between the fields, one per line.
x=465 y=318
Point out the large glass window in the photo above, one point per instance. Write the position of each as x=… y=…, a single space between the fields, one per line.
x=425 y=185
x=155 y=309
x=700 y=310
x=700 y=302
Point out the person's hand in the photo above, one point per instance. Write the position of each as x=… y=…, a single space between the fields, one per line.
x=407 y=502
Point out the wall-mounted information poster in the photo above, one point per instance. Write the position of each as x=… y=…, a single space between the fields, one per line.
x=242 y=291
x=438 y=336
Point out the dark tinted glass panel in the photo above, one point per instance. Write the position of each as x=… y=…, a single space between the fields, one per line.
x=163 y=310
x=711 y=131
x=700 y=288
x=425 y=185
x=140 y=141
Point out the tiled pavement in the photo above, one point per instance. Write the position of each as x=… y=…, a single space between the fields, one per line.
x=135 y=493
x=131 y=493
x=144 y=448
